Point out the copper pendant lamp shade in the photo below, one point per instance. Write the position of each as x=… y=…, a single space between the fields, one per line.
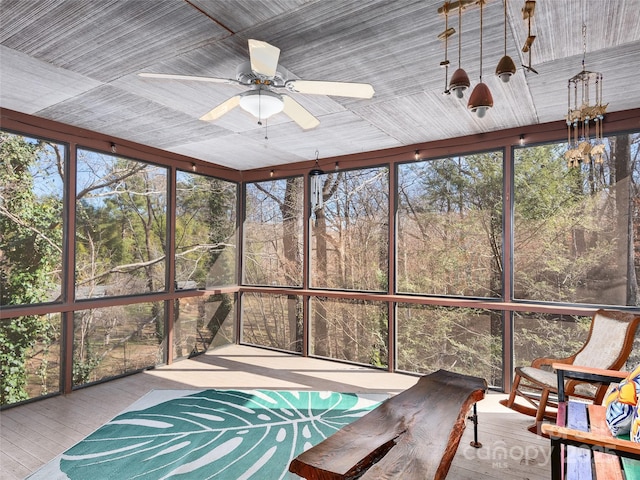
x=459 y=82
x=480 y=100
x=505 y=68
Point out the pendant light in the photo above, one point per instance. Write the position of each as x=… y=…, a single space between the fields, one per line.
x=261 y=103
x=459 y=80
x=481 y=99
x=506 y=68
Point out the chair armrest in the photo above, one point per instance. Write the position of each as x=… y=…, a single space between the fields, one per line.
x=608 y=444
x=596 y=372
x=586 y=374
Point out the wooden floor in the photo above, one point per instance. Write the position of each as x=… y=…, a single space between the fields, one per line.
x=33 y=434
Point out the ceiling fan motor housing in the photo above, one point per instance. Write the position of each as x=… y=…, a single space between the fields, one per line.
x=246 y=76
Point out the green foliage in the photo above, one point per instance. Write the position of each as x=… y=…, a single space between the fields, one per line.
x=84 y=366
x=30 y=239
x=459 y=339
x=570 y=235
x=539 y=335
x=17 y=337
x=450 y=226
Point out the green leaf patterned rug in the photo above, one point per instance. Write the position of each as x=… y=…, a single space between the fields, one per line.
x=221 y=434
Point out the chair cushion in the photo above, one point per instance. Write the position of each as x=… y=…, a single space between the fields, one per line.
x=622 y=404
x=550 y=380
x=544 y=377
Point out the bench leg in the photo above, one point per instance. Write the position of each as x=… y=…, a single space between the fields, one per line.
x=556 y=459
x=474 y=419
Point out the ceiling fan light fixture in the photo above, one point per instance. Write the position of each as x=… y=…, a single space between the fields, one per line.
x=481 y=100
x=506 y=68
x=261 y=104
x=459 y=82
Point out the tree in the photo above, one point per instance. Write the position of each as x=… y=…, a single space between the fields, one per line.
x=350 y=232
x=273 y=256
x=205 y=254
x=30 y=254
x=121 y=226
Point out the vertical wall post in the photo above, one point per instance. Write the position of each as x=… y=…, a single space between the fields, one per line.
x=69 y=268
x=170 y=263
x=392 y=267
x=240 y=218
x=507 y=280
x=306 y=264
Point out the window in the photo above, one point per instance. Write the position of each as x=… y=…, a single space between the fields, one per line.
x=205 y=231
x=31 y=219
x=121 y=225
x=352 y=330
x=464 y=340
x=273 y=233
x=576 y=229
x=545 y=335
x=29 y=357
x=202 y=323
x=115 y=340
x=450 y=226
x=31 y=252
x=273 y=321
x=350 y=232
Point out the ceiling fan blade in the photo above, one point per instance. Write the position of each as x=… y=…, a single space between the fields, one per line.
x=340 y=89
x=299 y=114
x=221 y=109
x=264 y=58
x=168 y=76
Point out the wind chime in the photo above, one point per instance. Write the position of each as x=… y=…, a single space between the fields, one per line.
x=527 y=14
x=448 y=31
x=315 y=175
x=584 y=87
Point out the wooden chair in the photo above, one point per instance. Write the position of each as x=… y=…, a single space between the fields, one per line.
x=608 y=346
x=413 y=435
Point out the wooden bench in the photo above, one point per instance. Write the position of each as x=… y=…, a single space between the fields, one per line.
x=582 y=447
x=413 y=435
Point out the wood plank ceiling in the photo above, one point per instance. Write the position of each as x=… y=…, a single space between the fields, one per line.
x=76 y=62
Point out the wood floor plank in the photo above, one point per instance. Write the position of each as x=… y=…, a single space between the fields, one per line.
x=36 y=432
x=16 y=448
x=11 y=469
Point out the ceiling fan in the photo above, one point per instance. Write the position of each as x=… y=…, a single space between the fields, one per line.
x=263 y=78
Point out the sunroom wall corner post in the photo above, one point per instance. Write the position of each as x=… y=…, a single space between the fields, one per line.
x=69 y=267
x=241 y=202
x=391 y=265
x=170 y=262
x=507 y=271
x=306 y=263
